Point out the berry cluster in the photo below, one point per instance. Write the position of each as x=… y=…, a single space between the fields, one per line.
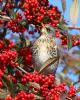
x=21 y=96
x=26 y=53
x=7 y=55
x=35 y=77
x=7 y=58
x=6 y=44
x=72 y=91
x=17 y=26
x=24 y=96
x=75 y=40
x=48 y=88
x=37 y=11
x=8 y=5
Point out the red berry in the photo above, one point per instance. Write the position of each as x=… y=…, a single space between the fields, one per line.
x=8 y=97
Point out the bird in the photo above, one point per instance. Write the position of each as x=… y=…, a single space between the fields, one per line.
x=43 y=49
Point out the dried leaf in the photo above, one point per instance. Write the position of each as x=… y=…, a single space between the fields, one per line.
x=3 y=93
x=35 y=85
x=74 y=11
x=77 y=72
x=9 y=84
x=63 y=4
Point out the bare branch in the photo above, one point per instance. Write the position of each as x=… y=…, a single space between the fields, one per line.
x=72 y=27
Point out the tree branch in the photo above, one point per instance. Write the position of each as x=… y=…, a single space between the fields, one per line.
x=72 y=27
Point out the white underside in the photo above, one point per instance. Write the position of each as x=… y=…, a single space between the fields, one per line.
x=43 y=56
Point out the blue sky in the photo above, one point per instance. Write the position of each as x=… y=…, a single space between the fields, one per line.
x=67 y=12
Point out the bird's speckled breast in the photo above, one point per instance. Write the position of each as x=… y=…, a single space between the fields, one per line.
x=43 y=49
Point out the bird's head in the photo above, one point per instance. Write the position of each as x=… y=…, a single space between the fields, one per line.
x=48 y=30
